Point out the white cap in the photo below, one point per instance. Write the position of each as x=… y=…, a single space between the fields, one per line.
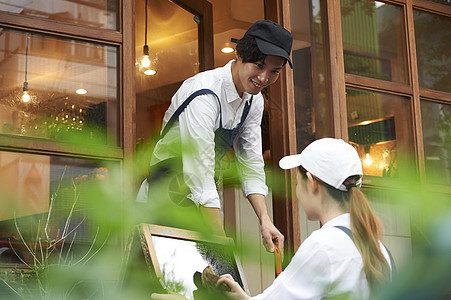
x=330 y=160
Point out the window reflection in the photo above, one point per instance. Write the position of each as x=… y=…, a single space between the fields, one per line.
x=98 y=14
x=179 y=260
x=374 y=40
x=379 y=126
x=436 y=121
x=36 y=190
x=309 y=74
x=53 y=71
x=433 y=44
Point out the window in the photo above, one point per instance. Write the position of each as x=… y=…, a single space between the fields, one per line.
x=373 y=40
x=436 y=123
x=380 y=129
x=433 y=44
x=312 y=101
x=38 y=192
x=61 y=121
x=58 y=88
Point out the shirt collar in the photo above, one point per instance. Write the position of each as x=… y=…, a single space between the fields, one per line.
x=343 y=220
x=231 y=92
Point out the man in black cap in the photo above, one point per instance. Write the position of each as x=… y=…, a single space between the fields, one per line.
x=217 y=109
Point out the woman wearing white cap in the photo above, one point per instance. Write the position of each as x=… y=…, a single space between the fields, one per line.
x=331 y=262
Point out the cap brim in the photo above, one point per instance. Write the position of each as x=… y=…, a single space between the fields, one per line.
x=271 y=49
x=289 y=162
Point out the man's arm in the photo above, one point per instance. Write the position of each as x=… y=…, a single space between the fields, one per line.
x=248 y=150
x=197 y=124
x=268 y=230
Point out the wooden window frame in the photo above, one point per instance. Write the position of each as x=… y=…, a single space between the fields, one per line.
x=410 y=89
x=282 y=133
x=83 y=34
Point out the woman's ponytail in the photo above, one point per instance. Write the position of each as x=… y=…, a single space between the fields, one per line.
x=367 y=231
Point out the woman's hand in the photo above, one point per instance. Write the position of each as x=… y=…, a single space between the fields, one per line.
x=236 y=292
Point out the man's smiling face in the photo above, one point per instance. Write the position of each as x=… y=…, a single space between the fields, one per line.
x=253 y=77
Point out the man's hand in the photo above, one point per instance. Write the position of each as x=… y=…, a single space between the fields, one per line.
x=269 y=232
x=271 y=235
x=236 y=292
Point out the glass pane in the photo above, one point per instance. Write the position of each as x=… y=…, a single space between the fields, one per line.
x=71 y=88
x=36 y=187
x=172 y=38
x=374 y=40
x=433 y=44
x=380 y=127
x=436 y=123
x=311 y=97
x=98 y=14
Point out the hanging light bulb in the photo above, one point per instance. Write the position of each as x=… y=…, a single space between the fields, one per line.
x=145 y=61
x=25 y=95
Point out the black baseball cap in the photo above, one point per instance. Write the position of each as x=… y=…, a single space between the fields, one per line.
x=271 y=39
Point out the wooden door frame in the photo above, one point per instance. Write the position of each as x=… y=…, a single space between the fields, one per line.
x=204 y=10
x=283 y=140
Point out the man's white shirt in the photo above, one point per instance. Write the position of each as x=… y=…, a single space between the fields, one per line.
x=196 y=126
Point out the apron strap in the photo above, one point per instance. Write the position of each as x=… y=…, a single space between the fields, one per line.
x=182 y=107
x=348 y=232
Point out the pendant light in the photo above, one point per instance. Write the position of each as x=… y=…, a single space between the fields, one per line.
x=25 y=95
x=145 y=61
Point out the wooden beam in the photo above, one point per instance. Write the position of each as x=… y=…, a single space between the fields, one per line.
x=58 y=28
x=416 y=110
x=337 y=88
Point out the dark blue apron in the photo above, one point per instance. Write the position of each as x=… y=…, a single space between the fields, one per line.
x=224 y=139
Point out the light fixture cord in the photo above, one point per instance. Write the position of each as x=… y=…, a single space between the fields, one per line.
x=145 y=29
x=26 y=58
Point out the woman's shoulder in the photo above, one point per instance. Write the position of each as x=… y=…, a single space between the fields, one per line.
x=333 y=240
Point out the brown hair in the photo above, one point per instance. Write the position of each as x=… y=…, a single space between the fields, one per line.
x=367 y=231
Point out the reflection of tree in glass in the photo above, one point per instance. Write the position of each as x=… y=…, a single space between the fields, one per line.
x=171 y=283
x=349 y=6
x=433 y=43
x=436 y=121
x=444 y=125
x=219 y=258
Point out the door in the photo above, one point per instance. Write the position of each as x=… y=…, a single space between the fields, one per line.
x=173 y=41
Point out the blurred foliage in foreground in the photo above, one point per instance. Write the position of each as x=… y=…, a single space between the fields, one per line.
x=63 y=266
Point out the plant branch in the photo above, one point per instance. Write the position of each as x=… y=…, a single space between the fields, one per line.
x=12 y=289
x=23 y=240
